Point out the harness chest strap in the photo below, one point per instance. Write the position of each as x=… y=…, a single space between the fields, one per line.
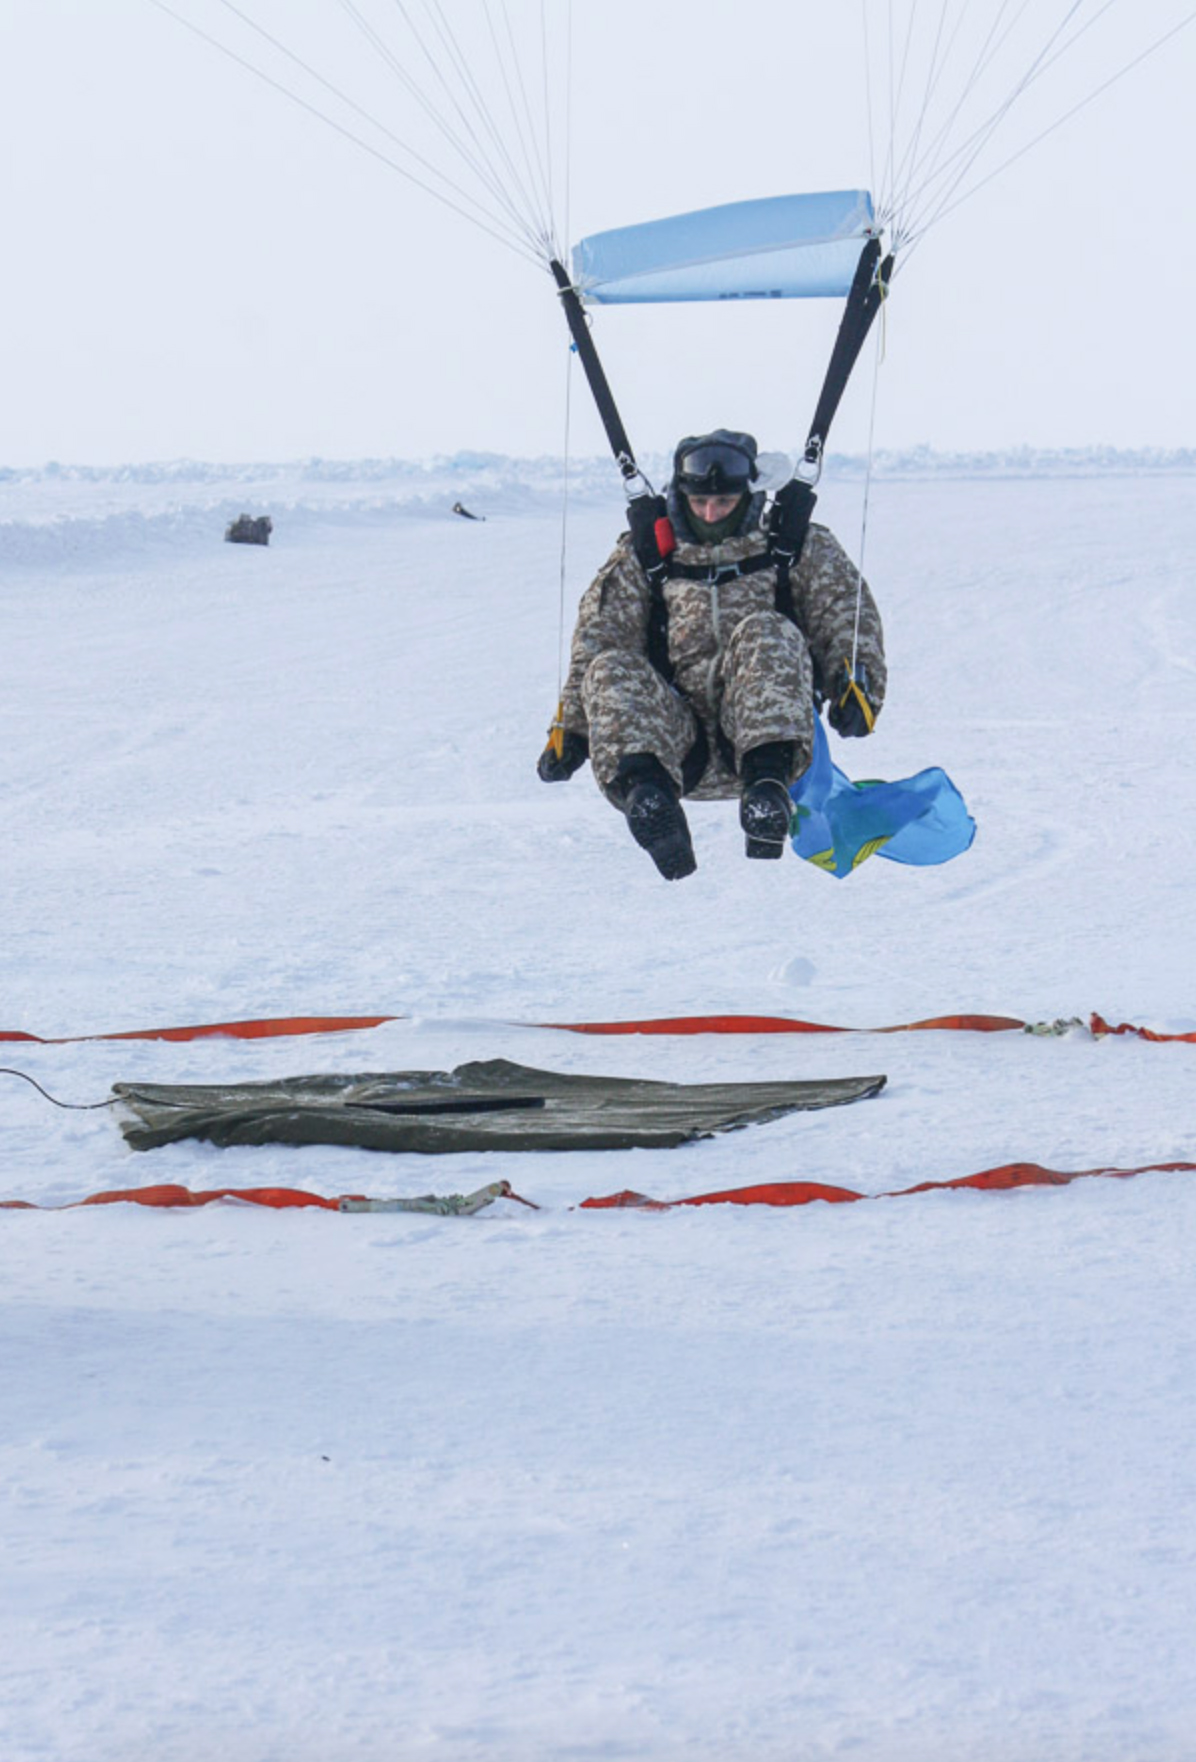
x=654 y=543
x=713 y=573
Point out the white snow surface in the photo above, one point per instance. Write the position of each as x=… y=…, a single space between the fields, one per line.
x=911 y=1480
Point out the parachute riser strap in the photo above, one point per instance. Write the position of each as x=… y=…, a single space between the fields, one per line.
x=616 y=434
x=869 y=290
x=579 y=329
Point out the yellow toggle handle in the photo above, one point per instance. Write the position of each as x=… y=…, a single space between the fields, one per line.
x=853 y=690
x=556 y=732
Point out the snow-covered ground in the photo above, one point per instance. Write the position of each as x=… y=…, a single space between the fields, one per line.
x=908 y=1481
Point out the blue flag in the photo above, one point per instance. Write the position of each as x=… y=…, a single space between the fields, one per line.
x=838 y=824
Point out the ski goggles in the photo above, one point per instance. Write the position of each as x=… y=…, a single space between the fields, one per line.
x=716 y=467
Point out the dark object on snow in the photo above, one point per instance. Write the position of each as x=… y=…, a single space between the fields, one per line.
x=465 y=513
x=495 y=1105
x=249 y=529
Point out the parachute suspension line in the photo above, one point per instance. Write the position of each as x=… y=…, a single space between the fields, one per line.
x=540 y=150
x=878 y=357
x=895 y=99
x=892 y=109
x=889 y=201
x=548 y=120
x=950 y=170
x=517 y=226
x=491 y=225
x=906 y=171
x=556 y=734
x=568 y=117
x=470 y=85
x=480 y=161
x=950 y=206
x=567 y=440
x=989 y=47
x=564 y=562
x=911 y=147
x=993 y=40
x=477 y=157
x=476 y=164
x=868 y=101
x=528 y=150
x=971 y=149
x=549 y=153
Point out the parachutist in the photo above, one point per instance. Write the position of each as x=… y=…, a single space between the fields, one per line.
x=703 y=651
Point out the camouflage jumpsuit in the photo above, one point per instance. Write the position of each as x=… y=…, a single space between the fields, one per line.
x=742 y=670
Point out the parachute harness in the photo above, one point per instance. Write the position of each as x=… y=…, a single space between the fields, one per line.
x=652 y=536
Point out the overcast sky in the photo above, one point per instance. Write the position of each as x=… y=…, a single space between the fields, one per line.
x=195 y=267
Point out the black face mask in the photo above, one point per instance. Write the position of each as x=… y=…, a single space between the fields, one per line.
x=711 y=532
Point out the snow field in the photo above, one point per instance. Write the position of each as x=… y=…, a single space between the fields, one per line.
x=903 y=1480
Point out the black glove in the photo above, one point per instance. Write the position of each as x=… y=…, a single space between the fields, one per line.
x=558 y=768
x=850 y=712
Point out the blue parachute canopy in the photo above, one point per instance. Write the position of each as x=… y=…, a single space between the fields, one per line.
x=776 y=248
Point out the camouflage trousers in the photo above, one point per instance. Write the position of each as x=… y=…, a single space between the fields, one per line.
x=759 y=689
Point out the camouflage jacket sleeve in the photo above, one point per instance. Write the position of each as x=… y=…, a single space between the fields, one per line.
x=613 y=614
x=824 y=597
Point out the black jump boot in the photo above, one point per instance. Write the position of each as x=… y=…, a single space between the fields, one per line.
x=648 y=796
x=765 y=806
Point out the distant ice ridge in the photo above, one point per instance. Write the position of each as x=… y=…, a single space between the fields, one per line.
x=55 y=513
x=495 y=471
x=1021 y=462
